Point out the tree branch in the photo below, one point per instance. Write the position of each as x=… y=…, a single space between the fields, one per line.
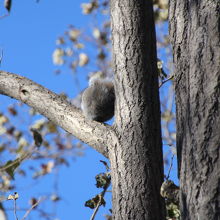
x=57 y=110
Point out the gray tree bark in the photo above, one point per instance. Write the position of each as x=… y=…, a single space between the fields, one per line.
x=136 y=158
x=195 y=37
x=133 y=143
x=57 y=110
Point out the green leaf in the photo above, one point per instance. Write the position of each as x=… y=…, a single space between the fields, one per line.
x=92 y=203
x=102 y=180
x=37 y=137
x=10 y=167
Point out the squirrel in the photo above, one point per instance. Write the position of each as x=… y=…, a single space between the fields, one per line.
x=98 y=99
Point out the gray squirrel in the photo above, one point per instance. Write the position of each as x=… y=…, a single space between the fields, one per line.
x=98 y=99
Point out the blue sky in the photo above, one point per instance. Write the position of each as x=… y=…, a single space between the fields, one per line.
x=28 y=39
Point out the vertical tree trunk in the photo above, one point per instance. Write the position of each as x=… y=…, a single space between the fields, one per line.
x=195 y=36
x=136 y=156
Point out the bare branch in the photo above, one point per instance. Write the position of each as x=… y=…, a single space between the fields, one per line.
x=1 y=56
x=24 y=156
x=171 y=164
x=168 y=79
x=57 y=110
x=15 y=209
x=101 y=197
x=32 y=207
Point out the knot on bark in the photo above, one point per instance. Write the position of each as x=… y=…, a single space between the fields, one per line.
x=24 y=94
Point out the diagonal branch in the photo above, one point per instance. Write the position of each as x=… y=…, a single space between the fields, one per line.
x=57 y=110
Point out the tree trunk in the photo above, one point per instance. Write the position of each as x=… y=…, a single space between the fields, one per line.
x=136 y=155
x=133 y=143
x=195 y=36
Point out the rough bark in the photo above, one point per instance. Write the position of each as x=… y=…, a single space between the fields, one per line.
x=133 y=143
x=58 y=110
x=195 y=37
x=136 y=158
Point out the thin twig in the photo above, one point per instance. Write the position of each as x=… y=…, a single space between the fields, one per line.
x=24 y=156
x=15 y=209
x=18 y=160
x=102 y=194
x=171 y=164
x=3 y=16
x=171 y=77
x=96 y=209
x=105 y=164
x=1 y=57
x=32 y=207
